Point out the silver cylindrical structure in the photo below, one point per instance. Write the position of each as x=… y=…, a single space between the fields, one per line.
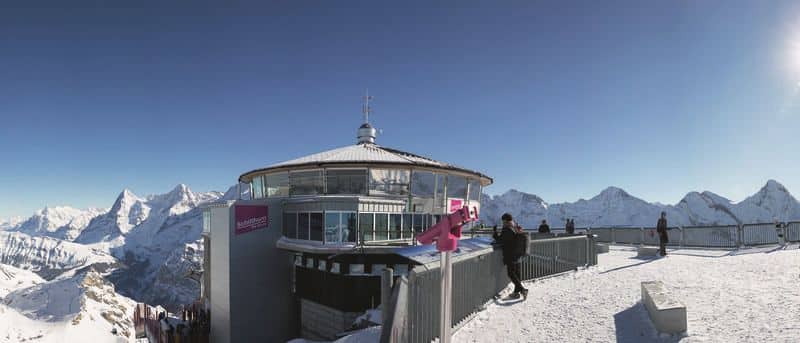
x=447 y=280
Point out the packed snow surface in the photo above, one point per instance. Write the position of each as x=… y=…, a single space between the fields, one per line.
x=749 y=295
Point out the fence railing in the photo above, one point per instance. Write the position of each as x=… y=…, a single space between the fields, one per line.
x=720 y=236
x=414 y=312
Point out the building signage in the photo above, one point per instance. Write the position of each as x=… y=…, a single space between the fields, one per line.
x=455 y=204
x=251 y=217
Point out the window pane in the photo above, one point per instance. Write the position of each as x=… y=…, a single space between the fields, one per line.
x=306 y=182
x=332 y=227
x=346 y=181
x=258 y=187
x=365 y=226
x=290 y=225
x=407 y=226
x=418 y=224
x=394 y=226
x=422 y=184
x=389 y=181
x=277 y=184
x=302 y=225
x=474 y=190
x=438 y=199
x=207 y=220
x=456 y=187
x=349 y=221
x=317 y=226
x=381 y=226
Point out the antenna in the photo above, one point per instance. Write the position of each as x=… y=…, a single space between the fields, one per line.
x=366 y=110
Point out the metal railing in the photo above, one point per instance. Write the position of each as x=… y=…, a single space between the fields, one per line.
x=719 y=236
x=476 y=280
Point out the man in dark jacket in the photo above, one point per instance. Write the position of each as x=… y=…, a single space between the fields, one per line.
x=663 y=239
x=544 y=228
x=512 y=251
x=570 y=226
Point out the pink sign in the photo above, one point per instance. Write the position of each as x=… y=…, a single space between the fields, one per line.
x=251 y=217
x=455 y=205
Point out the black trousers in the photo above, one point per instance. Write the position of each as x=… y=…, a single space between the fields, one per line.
x=514 y=275
x=663 y=244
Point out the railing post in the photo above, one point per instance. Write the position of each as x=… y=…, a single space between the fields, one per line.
x=613 y=237
x=683 y=236
x=740 y=235
x=387 y=280
x=446 y=289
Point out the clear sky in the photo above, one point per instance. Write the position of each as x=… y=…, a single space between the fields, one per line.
x=560 y=99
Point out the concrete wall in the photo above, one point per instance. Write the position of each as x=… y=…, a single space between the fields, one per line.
x=263 y=306
x=220 y=274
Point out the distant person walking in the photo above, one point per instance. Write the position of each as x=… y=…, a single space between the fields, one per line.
x=570 y=226
x=512 y=251
x=663 y=239
x=544 y=228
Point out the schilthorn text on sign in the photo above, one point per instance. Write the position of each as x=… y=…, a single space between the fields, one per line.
x=251 y=217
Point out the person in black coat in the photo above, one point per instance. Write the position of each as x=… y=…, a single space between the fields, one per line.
x=512 y=251
x=663 y=238
x=544 y=228
x=570 y=226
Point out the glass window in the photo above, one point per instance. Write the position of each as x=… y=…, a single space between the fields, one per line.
x=456 y=187
x=346 y=181
x=207 y=220
x=389 y=181
x=302 y=225
x=381 y=226
x=422 y=184
x=438 y=199
x=349 y=221
x=356 y=268
x=306 y=182
x=258 y=187
x=332 y=227
x=317 y=226
x=290 y=225
x=277 y=184
x=407 y=226
x=365 y=221
x=395 y=226
x=474 y=190
x=418 y=224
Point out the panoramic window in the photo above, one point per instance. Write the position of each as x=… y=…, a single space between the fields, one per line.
x=381 y=226
x=456 y=187
x=277 y=185
x=306 y=182
x=389 y=181
x=349 y=228
x=258 y=187
x=290 y=225
x=418 y=224
x=317 y=226
x=365 y=221
x=302 y=225
x=423 y=184
x=395 y=227
x=474 y=190
x=407 y=231
x=332 y=227
x=346 y=181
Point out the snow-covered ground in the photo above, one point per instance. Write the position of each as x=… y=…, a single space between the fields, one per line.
x=750 y=295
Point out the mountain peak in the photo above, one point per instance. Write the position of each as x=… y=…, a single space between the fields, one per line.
x=614 y=191
x=773 y=185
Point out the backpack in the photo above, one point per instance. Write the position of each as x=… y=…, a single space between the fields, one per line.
x=523 y=244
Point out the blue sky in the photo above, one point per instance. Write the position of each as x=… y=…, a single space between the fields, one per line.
x=557 y=99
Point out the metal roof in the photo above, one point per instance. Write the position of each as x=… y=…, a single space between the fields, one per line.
x=364 y=154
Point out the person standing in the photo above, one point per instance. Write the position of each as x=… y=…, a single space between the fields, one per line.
x=663 y=239
x=511 y=252
x=570 y=226
x=544 y=228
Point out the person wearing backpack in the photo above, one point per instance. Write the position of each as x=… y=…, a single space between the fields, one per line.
x=514 y=242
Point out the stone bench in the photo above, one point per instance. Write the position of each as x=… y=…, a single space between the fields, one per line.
x=601 y=248
x=667 y=314
x=645 y=251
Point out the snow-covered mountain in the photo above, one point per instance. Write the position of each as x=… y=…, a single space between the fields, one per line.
x=46 y=256
x=61 y=222
x=615 y=207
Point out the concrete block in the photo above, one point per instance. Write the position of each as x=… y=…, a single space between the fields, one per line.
x=645 y=251
x=667 y=313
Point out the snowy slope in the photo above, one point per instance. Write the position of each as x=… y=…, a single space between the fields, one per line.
x=9 y=223
x=13 y=278
x=47 y=256
x=61 y=222
x=83 y=307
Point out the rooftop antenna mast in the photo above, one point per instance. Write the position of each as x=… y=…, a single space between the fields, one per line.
x=366 y=110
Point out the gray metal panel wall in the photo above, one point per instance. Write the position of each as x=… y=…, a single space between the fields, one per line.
x=220 y=275
x=263 y=308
